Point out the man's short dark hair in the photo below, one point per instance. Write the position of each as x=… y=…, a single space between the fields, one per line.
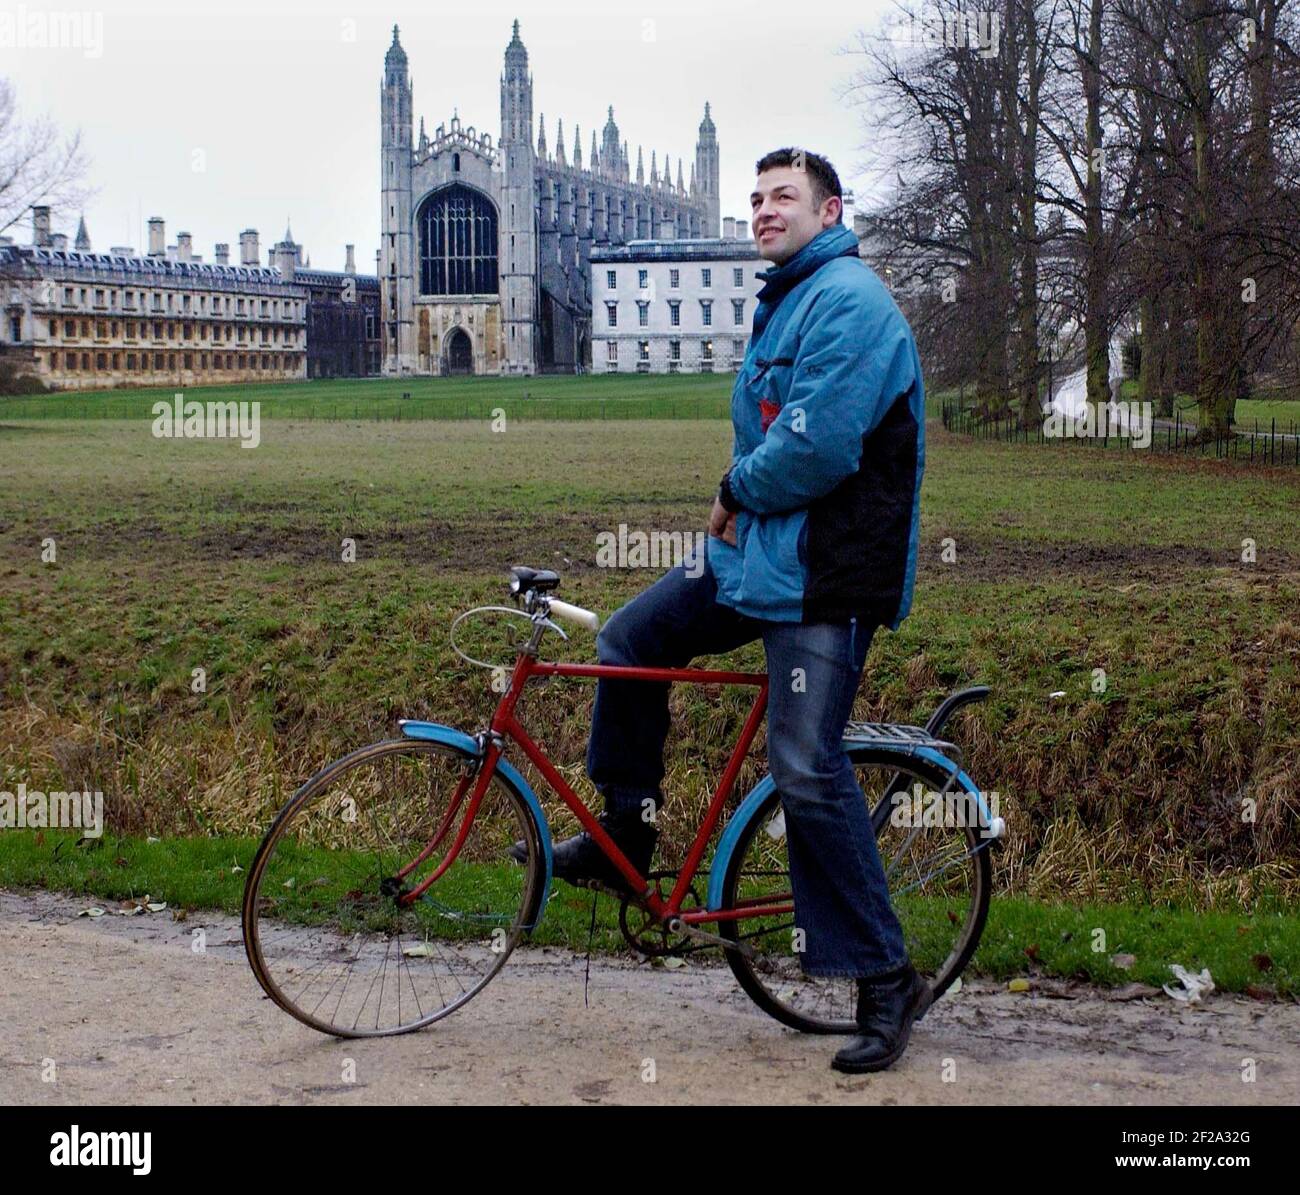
x=823 y=180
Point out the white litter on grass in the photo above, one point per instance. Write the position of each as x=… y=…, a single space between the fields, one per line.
x=776 y=827
x=1194 y=985
x=1058 y=693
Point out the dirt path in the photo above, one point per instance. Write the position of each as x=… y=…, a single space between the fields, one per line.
x=130 y=1014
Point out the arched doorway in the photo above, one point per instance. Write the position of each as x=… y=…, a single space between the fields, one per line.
x=460 y=352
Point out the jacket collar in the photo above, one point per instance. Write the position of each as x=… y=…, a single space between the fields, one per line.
x=837 y=241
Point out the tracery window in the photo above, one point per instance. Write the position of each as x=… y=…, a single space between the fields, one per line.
x=458 y=243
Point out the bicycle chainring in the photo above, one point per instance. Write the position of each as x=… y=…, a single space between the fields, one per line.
x=648 y=936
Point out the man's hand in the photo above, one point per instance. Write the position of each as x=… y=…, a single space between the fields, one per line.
x=722 y=524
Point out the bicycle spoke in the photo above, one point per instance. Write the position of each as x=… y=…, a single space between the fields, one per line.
x=937 y=882
x=331 y=940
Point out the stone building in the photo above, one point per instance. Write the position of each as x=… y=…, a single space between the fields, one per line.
x=675 y=306
x=486 y=246
x=77 y=319
x=342 y=312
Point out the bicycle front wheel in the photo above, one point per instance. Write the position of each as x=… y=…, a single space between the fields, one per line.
x=939 y=883
x=329 y=927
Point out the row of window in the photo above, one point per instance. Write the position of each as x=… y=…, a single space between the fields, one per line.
x=675 y=313
x=675 y=278
x=674 y=350
x=80 y=362
x=107 y=299
x=106 y=329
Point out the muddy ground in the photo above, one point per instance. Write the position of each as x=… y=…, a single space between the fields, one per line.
x=121 y=1010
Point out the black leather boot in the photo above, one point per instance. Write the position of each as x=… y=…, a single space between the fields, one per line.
x=579 y=859
x=887 y=1006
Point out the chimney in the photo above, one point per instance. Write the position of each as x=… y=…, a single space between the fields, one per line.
x=122 y=251
x=157 y=237
x=350 y=267
x=742 y=230
x=729 y=228
x=249 y=254
x=223 y=253
x=41 y=226
x=285 y=259
x=184 y=247
x=58 y=240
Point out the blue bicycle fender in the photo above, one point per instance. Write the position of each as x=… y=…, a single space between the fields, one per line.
x=964 y=783
x=764 y=788
x=435 y=732
x=731 y=834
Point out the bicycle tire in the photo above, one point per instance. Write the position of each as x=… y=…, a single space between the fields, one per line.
x=318 y=786
x=748 y=974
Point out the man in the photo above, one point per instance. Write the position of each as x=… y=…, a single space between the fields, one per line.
x=812 y=545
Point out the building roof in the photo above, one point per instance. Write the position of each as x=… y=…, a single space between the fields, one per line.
x=685 y=249
x=159 y=267
x=309 y=276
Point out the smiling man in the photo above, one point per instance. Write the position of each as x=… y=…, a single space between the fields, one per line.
x=812 y=546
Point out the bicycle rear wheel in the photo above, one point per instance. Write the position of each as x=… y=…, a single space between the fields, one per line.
x=325 y=929
x=939 y=884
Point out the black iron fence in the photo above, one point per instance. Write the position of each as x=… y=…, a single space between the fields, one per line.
x=1274 y=443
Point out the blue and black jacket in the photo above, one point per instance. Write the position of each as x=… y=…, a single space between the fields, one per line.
x=829 y=418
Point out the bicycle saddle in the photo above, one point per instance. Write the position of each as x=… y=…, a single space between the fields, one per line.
x=541 y=579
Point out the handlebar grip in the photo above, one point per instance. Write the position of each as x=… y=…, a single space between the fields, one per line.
x=584 y=618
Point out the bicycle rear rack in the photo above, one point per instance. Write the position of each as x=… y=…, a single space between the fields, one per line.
x=909 y=738
x=899 y=734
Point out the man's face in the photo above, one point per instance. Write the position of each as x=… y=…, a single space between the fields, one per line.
x=785 y=217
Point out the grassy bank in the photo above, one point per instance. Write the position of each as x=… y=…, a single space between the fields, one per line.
x=1144 y=732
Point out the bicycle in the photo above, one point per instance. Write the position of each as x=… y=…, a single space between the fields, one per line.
x=387 y=869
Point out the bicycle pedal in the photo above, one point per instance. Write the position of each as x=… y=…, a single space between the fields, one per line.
x=594 y=885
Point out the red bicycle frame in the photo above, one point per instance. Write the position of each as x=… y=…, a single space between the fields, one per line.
x=505 y=725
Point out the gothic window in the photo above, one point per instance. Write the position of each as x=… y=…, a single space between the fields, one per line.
x=458 y=243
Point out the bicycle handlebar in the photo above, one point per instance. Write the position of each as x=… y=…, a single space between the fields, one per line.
x=574 y=614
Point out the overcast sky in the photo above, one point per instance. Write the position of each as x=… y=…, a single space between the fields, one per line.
x=223 y=117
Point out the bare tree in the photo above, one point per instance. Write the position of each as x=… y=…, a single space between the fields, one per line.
x=37 y=165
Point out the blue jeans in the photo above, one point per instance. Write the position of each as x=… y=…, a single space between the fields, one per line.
x=841 y=896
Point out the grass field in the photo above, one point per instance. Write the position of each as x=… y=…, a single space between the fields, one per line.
x=177 y=555
x=597 y=396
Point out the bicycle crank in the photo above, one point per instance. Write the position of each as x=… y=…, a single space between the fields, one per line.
x=678 y=926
